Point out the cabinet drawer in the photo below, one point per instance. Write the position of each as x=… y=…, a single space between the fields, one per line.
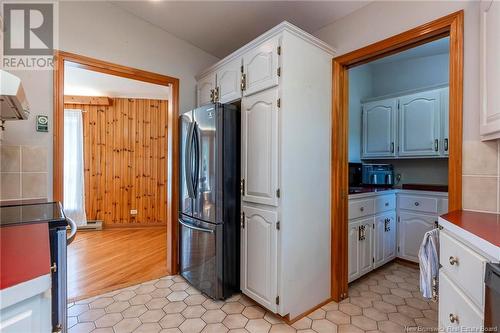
x=385 y=202
x=464 y=266
x=419 y=204
x=360 y=208
x=455 y=306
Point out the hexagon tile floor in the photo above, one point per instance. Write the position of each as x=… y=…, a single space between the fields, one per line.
x=386 y=300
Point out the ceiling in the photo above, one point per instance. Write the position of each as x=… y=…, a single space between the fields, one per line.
x=82 y=82
x=440 y=46
x=221 y=27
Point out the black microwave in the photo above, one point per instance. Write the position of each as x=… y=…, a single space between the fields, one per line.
x=355 y=174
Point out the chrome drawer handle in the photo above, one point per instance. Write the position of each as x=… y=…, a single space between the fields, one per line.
x=453 y=260
x=362 y=209
x=453 y=318
x=417 y=203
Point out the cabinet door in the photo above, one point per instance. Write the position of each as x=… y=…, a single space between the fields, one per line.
x=366 y=246
x=490 y=69
x=379 y=128
x=259 y=256
x=419 y=124
x=384 y=238
x=229 y=82
x=353 y=253
x=205 y=88
x=412 y=228
x=260 y=66
x=259 y=147
x=445 y=121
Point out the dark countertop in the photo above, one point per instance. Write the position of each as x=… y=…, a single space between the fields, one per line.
x=50 y=212
x=367 y=189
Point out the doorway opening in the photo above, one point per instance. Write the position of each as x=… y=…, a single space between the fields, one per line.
x=401 y=130
x=114 y=145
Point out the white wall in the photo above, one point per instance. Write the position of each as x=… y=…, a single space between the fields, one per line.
x=360 y=87
x=393 y=77
x=101 y=30
x=380 y=20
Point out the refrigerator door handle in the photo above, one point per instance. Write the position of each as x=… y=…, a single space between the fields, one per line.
x=197 y=143
x=188 y=160
x=190 y=226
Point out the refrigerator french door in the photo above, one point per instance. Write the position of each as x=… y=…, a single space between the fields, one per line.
x=209 y=199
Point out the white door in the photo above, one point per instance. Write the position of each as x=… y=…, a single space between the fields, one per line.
x=353 y=252
x=259 y=147
x=412 y=228
x=205 y=89
x=379 y=128
x=260 y=67
x=490 y=69
x=259 y=239
x=445 y=121
x=366 y=246
x=384 y=238
x=229 y=82
x=419 y=124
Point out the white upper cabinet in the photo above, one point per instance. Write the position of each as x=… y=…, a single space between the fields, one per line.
x=419 y=119
x=260 y=67
x=205 y=89
x=490 y=70
x=379 y=128
x=445 y=121
x=229 y=82
x=259 y=256
x=259 y=147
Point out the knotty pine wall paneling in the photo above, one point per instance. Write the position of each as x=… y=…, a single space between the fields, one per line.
x=125 y=161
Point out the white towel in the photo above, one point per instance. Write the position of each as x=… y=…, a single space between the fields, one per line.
x=428 y=256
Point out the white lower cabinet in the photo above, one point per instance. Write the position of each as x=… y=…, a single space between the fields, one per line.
x=259 y=240
x=412 y=228
x=456 y=311
x=382 y=227
x=384 y=239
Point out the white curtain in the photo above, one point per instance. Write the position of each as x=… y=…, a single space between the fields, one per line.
x=74 y=183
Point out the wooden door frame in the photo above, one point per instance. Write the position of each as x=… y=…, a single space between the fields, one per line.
x=450 y=25
x=60 y=58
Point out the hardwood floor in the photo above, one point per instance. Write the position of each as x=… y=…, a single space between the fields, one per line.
x=101 y=261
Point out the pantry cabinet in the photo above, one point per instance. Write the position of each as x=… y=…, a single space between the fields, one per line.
x=260 y=67
x=285 y=199
x=205 y=89
x=228 y=82
x=419 y=124
x=259 y=147
x=379 y=128
x=489 y=82
x=406 y=126
x=259 y=240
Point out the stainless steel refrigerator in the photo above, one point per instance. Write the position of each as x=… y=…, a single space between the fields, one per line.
x=210 y=199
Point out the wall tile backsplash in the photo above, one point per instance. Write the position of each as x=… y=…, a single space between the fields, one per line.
x=23 y=172
x=481 y=176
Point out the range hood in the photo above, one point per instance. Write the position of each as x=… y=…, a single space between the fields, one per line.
x=13 y=103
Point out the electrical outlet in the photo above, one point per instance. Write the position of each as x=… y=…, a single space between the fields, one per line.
x=133 y=212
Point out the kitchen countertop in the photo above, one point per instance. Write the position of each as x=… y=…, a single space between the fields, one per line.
x=482 y=230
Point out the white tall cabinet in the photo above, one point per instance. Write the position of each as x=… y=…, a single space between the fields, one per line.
x=490 y=69
x=285 y=165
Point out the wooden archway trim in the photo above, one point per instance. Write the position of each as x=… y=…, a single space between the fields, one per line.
x=60 y=59
x=450 y=25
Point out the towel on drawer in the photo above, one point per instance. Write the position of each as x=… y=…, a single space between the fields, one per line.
x=428 y=256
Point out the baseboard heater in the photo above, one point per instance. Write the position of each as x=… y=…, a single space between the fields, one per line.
x=91 y=225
